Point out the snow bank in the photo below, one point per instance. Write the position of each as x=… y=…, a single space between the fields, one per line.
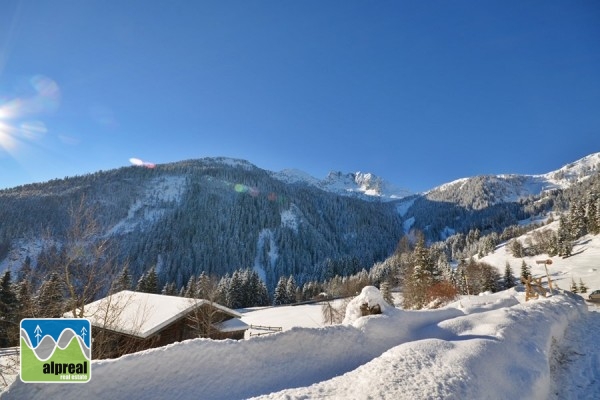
x=371 y=296
x=478 y=352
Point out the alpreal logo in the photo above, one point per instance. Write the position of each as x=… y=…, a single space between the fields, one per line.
x=56 y=350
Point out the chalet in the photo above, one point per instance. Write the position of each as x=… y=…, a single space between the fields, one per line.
x=127 y=322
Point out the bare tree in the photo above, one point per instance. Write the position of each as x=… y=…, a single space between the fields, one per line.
x=87 y=265
x=203 y=318
x=334 y=313
x=111 y=315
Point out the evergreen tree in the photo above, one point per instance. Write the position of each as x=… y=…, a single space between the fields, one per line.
x=9 y=324
x=26 y=304
x=564 y=244
x=123 y=281
x=387 y=293
x=235 y=293
x=169 y=289
x=50 y=301
x=574 y=287
x=280 y=295
x=290 y=290
x=577 y=220
x=148 y=282
x=582 y=286
x=525 y=271
x=509 y=279
x=204 y=286
x=191 y=289
x=592 y=213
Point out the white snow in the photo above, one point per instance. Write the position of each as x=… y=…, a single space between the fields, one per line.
x=147 y=208
x=584 y=264
x=359 y=184
x=264 y=236
x=494 y=346
x=403 y=206
x=512 y=187
x=491 y=346
x=143 y=314
x=406 y=225
x=289 y=219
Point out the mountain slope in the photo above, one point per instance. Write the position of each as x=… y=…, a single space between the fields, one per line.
x=487 y=190
x=361 y=185
x=214 y=215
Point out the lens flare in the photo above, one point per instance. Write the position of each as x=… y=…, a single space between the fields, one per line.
x=43 y=98
x=141 y=163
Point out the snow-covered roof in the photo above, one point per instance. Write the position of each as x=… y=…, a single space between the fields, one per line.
x=143 y=314
x=232 y=325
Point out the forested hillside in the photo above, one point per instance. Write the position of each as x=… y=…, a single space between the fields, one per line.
x=217 y=216
x=211 y=215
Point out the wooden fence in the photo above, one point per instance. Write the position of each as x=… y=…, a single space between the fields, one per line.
x=268 y=330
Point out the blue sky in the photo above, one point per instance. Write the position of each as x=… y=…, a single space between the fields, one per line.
x=417 y=92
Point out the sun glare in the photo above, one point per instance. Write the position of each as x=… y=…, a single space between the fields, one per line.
x=16 y=122
x=7 y=141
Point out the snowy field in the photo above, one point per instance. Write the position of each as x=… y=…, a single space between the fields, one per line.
x=493 y=346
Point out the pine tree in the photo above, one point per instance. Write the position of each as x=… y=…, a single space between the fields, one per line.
x=387 y=293
x=280 y=295
x=191 y=289
x=564 y=239
x=290 y=290
x=509 y=279
x=9 y=324
x=26 y=304
x=574 y=287
x=169 y=289
x=148 y=282
x=591 y=213
x=123 y=281
x=582 y=286
x=577 y=220
x=50 y=301
x=525 y=271
x=203 y=286
x=235 y=293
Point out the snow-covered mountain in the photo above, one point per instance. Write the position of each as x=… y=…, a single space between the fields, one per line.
x=217 y=214
x=482 y=191
x=363 y=185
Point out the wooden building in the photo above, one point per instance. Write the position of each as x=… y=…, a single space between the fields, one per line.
x=128 y=321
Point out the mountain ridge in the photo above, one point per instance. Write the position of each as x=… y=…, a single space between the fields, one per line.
x=220 y=214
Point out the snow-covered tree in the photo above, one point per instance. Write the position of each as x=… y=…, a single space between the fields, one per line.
x=280 y=295
x=50 y=301
x=291 y=289
x=148 y=282
x=525 y=271
x=9 y=323
x=387 y=293
x=582 y=286
x=123 y=281
x=509 y=280
x=574 y=288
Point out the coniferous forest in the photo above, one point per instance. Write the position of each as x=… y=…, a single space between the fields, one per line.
x=228 y=230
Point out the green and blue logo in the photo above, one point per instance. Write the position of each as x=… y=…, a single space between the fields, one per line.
x=56 y=350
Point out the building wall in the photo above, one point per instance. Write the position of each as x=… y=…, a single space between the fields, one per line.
x=197 y=323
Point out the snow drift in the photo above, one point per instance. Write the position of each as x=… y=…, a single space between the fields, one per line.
x=483 y=347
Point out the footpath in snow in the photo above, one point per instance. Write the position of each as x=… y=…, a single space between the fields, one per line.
x=484 y=347
x=575 y=364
